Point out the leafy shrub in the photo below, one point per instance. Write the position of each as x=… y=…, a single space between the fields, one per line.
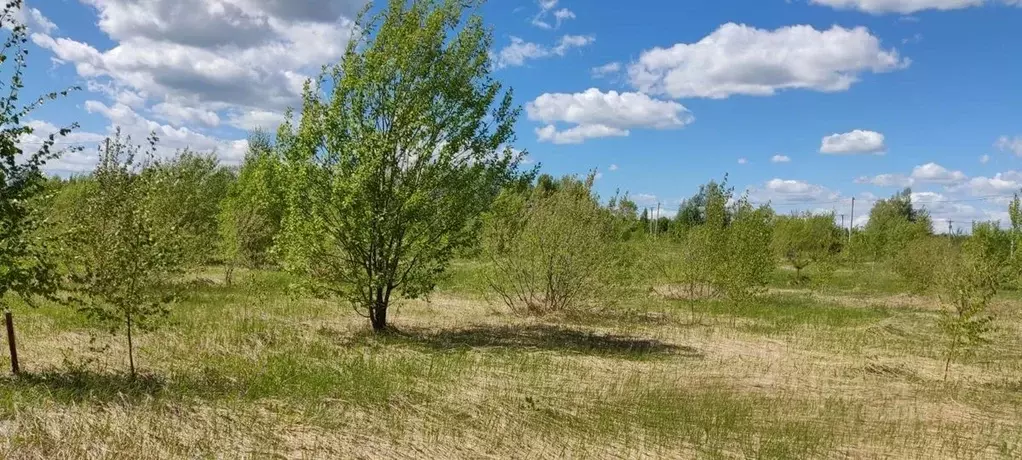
x=807 y=239
x=552 y=249
x=966 y=282
x=919 y=262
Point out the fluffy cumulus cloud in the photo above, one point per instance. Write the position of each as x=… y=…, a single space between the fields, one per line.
x=595 y=114
x=899 y=6
x=792 y=191
x=929 y=173
x=1005 y=183
x=854 y=142
x=172 y=138
x=780 y=159
x=74 y=159
x=194 y=64
x=519 y=51
x=34 y=19
x=739 y=59
x=934 y=173
x=946 y=212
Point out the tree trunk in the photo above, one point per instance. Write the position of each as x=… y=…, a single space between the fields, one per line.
x=9 y=319
x=378 y=312
x=131 y=349
x=950 y=354
x=229 y=274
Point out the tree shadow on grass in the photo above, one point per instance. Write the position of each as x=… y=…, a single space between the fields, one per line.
x=540 y=337
x=89 y=386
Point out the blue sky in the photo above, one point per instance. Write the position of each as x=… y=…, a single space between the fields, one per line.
x=804 y=103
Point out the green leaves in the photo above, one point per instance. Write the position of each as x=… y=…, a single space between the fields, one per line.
x=805 y=239
x=388 y=172
x=553 y=249
x=25 y=254
x=967 y=281
x=124 y=248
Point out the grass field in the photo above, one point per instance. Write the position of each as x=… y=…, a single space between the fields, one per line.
x=251 y=371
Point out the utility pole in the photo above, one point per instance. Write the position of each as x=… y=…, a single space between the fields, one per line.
x=851 y=222
x=657 y=220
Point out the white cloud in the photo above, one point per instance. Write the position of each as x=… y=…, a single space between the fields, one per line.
x=1001 y=184
x=857 y=141
x=780 y=159
x=792 y=191
x=613 y=168
x=599 y=114
x=213 y=56
x=934 y=173
x=984 y=159
x=743 y=161
x=739 y=59
x=644 y=199
x=929 y=173
x=577 y=134
x=886 y=180
x=545 y=7
x=255 y=119
x=946 y=210
x=31 y=18
x=171 y=138
x=562 y=15
x=898 y=6
x=520 y=51
x=606 y=69
x=73 y=160
x=181 y=115
x=1010 y=144
x=191 y=64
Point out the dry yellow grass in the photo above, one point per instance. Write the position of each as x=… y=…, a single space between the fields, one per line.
x=249 y=372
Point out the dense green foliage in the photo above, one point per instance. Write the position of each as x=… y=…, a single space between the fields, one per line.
x=725 y=250
x=250 y=215
x=554 y=247
x=27 y=267
x=805 y=239
x=893 y=223
x=389 y=172
x=124 y=252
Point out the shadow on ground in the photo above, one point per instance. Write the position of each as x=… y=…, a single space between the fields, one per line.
x=541 y=337
x=84 y=385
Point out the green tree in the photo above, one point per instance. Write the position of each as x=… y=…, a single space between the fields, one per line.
x=892 y=224
x=694 y=211
x=727 y=250
x=805 y=239
x=122 y=256
x=27 y=268
x=185 y=200
x=554 y=251
x=390 y=171
x=250 y=215
x=966 y=283
x=919 y=262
